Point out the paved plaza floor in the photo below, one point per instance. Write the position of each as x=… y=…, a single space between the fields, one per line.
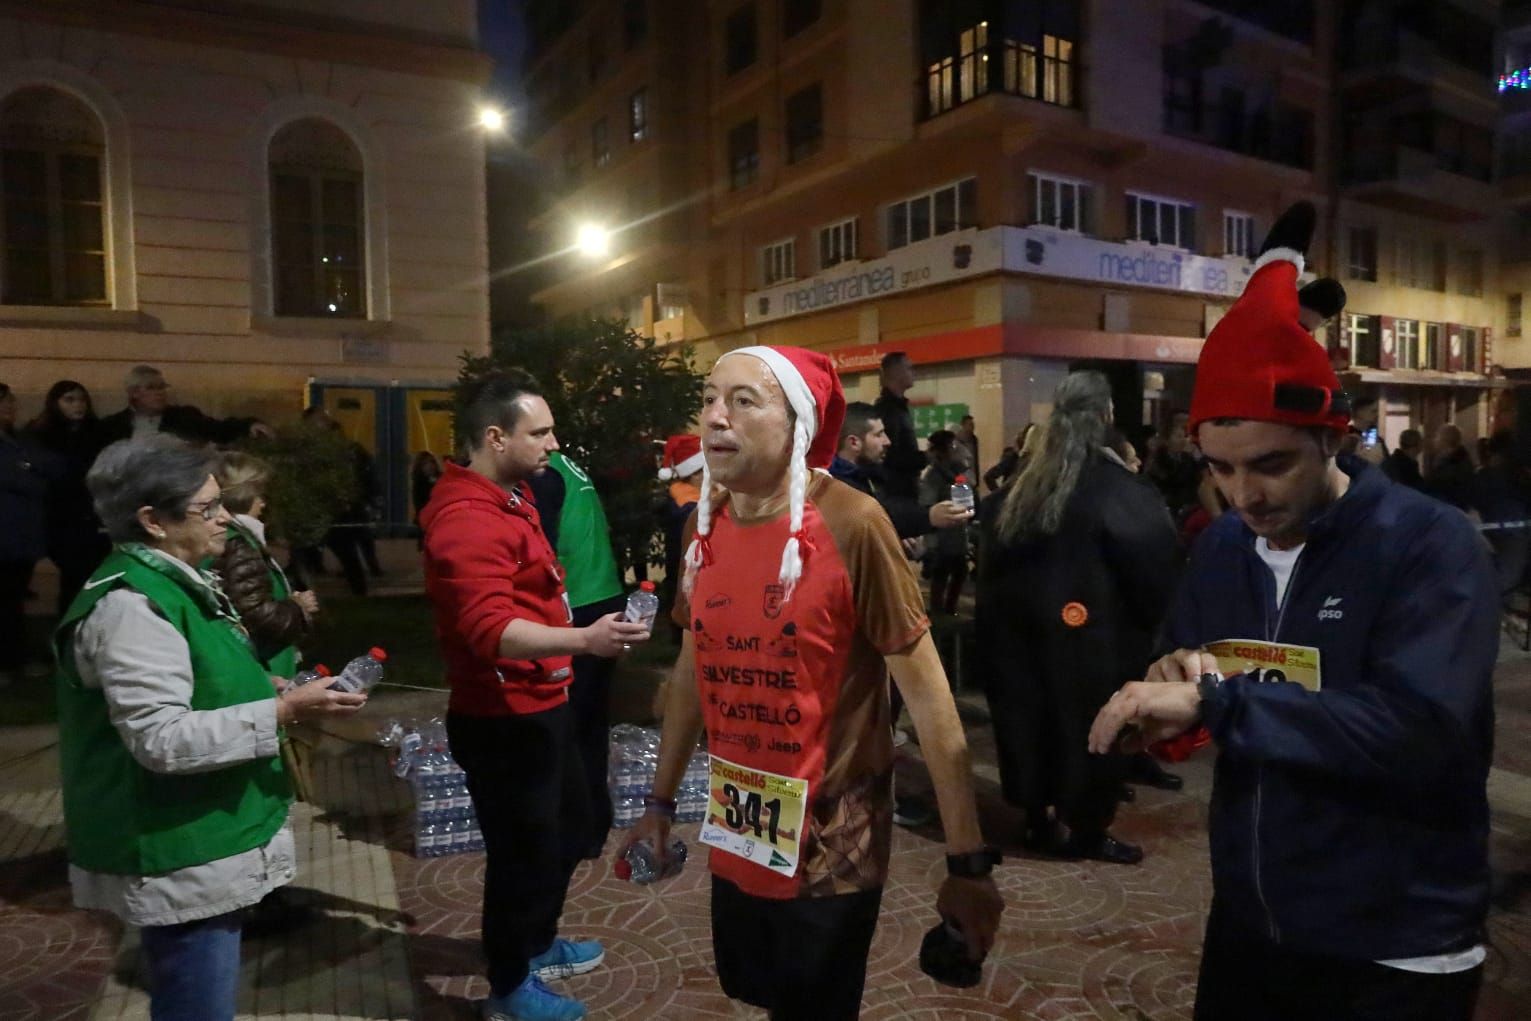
x=392 y=936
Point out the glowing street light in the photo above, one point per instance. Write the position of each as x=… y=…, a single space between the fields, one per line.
x=592 y=240
x=491 y=119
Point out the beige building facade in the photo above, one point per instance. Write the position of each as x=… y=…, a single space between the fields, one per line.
x=267 y=200
x=1010 y=191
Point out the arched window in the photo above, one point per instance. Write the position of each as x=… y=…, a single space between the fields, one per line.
x=52 y=210
x=318 y=223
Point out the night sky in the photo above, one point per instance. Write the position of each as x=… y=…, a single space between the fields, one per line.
x=501 y=36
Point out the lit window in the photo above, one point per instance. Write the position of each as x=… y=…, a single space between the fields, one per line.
x=638 y=116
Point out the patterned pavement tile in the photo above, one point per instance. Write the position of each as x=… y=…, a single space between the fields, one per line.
x=1079 y=941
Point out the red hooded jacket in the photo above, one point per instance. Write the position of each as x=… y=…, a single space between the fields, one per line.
x=487 y=563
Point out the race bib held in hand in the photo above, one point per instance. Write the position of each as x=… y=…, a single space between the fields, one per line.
x=1269 y=661
x=756 y=815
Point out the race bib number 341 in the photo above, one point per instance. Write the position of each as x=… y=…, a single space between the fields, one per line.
x=1269 y=661
x=756 y=815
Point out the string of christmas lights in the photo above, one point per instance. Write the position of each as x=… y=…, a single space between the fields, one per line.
x=1520 y=79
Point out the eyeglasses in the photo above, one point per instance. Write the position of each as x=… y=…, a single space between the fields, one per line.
x=209 y=510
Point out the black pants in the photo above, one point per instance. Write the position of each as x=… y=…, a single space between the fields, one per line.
x=803 y=959
x=590 y=697
x=345 y=542
x=528 y=790
x=1246 y=978
x=15 y=576
x=948 y=573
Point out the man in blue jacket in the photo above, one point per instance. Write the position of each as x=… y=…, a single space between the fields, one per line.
x=1337 y=637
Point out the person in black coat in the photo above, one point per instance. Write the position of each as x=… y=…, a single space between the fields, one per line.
x=149 y=411
x=26 y=471
x=69 y=429
x=1451 y=473
x=1402 y=465
x=1078 y=560
x=904 y=462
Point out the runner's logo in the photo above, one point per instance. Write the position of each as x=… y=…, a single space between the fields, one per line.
x=1331 y=610
x=774 y=596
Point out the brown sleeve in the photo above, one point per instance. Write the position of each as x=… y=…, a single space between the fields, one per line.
x=889 y=607
x=272 y=623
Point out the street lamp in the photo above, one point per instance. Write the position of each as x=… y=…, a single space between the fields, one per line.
x=592 y=240
x=491 y=119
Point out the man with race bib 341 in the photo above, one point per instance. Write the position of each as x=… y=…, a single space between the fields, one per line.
x=1337 y=636
x=796 y=600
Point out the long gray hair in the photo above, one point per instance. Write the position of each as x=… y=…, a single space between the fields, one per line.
x=1076 y=429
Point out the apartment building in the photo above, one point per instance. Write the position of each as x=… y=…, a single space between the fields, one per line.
x=271 y=200
x=1009 y=191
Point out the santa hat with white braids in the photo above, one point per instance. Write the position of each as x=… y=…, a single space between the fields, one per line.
x=813 y=391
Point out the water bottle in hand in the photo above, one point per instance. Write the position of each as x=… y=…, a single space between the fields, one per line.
x=643 y=606
x=362 y=673
x=962 y=493
x=305 y=676
x=641 y=863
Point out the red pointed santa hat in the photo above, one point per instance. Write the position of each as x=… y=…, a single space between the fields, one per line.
x=1259 y=363
x=682 y=458
x=812 y=387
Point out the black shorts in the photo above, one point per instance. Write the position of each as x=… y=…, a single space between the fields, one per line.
x=803 y=959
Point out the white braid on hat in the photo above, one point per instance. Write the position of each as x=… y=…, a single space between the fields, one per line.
x=803 y=431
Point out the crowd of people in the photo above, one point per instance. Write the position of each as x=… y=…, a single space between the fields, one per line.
x=1250 y=578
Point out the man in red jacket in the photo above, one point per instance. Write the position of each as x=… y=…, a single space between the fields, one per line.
x=504 y=626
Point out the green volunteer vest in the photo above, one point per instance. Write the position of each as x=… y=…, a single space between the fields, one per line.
x=584 y=538
x=122 y=818
x=285 y=662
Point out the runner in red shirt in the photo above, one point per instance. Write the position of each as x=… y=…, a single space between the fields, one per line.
x=503 y=623
x=797 y=599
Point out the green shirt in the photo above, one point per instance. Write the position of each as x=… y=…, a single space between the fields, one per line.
x=584 y=538
x=122 y=818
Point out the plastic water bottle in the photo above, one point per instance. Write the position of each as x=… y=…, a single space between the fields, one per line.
x=641 y=864
x=409 y=753
x=305 y=676
x=962 y=493
x=643 y=606
x=362 y=673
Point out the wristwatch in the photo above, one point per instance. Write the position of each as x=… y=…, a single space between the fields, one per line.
x=974 y=864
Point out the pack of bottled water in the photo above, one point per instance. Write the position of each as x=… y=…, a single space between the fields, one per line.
x=634 y=758
x=444 y=819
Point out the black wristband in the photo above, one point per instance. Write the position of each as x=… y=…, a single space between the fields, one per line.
x=665 y=806
x=975 y=864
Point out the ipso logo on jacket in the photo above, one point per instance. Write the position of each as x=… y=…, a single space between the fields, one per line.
x=1331 y=610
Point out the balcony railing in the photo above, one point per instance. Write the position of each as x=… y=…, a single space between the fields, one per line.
x=1281 y=135
x=1048 y=72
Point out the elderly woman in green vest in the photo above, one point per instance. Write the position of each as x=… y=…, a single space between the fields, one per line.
x=175 y=799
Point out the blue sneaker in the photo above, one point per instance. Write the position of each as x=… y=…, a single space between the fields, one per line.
x=533 y=1001
x=566 y=957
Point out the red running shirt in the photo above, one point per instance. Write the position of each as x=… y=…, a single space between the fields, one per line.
x=799 y=687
